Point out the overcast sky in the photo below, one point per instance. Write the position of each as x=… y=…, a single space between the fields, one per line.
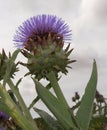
x=88 y=21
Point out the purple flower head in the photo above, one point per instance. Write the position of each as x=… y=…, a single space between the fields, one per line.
x=3 y=116
x=38 y=29
x=2 y=128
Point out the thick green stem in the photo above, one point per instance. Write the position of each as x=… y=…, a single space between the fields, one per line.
x=9 y=107
x=57 y=89
x=21 y=102
x=60 y=96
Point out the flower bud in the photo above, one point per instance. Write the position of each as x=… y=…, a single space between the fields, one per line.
x=4 y=63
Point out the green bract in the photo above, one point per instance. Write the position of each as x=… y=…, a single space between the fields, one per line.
x=48 y=58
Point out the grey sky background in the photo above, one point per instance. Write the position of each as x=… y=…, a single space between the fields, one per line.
x=88 y=21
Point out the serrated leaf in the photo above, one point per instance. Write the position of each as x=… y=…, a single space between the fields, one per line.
x=85 y=111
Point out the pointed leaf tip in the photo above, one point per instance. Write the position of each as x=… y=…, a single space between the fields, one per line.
x=84 y=112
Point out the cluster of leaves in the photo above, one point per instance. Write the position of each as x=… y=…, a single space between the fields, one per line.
x=98 y=119
x=64 y=118
x=91 y=110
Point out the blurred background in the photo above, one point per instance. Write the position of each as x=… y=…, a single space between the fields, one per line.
x=88 y=21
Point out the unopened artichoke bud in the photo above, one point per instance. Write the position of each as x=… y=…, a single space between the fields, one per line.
x=49 y=59
x=42 y=39
x=4 y=64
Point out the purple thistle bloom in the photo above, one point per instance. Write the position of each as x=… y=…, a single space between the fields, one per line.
x=40 y=26
x=3 y=115
x=2 y=128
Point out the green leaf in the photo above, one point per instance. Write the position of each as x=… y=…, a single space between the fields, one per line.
x=37 y=98
x=55 y=106
x=51 y=122
x=85 y=111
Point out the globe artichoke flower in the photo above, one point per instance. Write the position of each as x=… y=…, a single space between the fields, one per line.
x=41 y=39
